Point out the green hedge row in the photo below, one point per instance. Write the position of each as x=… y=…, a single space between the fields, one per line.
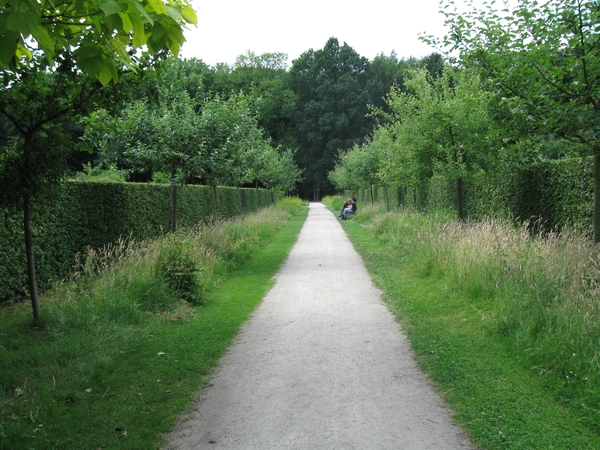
x=88 y=214
x=553 y=194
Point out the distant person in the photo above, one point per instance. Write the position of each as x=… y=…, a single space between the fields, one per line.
x=349 y=209
x=344 y=205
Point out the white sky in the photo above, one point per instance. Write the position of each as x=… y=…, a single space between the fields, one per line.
x=228 y=28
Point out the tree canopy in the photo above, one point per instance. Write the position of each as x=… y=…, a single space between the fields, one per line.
x=100 y=33
x=331 y=85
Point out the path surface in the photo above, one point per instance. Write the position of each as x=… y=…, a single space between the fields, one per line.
x=321 y=364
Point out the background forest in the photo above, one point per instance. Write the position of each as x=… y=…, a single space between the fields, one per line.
x=260 y=122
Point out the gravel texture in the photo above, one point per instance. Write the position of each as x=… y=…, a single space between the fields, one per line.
x=321 y=364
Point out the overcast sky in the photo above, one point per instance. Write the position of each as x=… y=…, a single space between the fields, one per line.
x=228 y=28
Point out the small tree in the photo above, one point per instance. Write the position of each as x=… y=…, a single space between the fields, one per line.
x=278 y=170
x=163 y=138
x=230 y=134
x=35 y=103
x=445 y=123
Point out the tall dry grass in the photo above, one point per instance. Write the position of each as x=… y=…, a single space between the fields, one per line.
x=122 y=283
x=541 y=290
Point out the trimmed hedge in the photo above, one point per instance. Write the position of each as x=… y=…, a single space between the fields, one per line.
x=86 y=214
x=552 y=194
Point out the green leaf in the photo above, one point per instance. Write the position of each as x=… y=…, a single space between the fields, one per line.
x=176 y=35
x=111 y=7
x=42 y=37
x=173 y=12
x=127 y=25
x=91 y=65
x=138 y=6
x=157 y=31
x=8 y=46
x=189 y=14
x=139 y=34
x=105 y=75
x=158 y=6
x=18 y=21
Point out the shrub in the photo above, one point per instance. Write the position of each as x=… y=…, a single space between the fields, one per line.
x=179 y=272
x=333 y=201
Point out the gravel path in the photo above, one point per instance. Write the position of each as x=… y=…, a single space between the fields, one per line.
x=321 y=364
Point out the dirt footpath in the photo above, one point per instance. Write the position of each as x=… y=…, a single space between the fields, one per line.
x=321 y=364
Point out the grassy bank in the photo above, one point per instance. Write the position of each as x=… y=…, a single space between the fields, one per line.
x=127 y=342
x=504 y=321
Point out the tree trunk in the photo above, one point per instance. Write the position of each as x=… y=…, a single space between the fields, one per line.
x=371 y=189
x=30 y=259
x=216 y=202
x=387 y=198
x=256 y=193
x=459 y=193
x=240 y=200
x=415 y=197
x=173 y=203
x=596 y=221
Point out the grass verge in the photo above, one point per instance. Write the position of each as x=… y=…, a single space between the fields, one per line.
x=115 y=373
x=457 y=326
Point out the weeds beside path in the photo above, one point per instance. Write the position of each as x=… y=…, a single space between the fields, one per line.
x=502 y=399
x=119 y=383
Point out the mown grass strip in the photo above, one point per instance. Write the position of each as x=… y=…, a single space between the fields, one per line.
x=128 y=384
x=499 y=401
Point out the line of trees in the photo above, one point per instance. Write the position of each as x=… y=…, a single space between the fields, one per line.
x=521 y=85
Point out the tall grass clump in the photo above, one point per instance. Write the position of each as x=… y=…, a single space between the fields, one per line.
x=125 y=281
x=540 y=290
x=95 y=363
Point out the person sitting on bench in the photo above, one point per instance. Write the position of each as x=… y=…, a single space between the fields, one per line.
x=349 y=209
x=344 y=205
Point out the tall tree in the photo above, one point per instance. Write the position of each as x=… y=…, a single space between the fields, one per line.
x=386 y=72
x=331 y=86
x=267 y=78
